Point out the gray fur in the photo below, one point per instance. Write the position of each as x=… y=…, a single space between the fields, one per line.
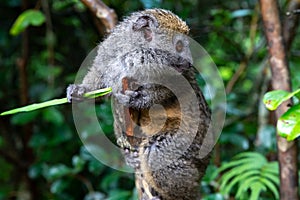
x=167 y=163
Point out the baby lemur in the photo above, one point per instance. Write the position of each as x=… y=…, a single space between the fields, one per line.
x=150 y=49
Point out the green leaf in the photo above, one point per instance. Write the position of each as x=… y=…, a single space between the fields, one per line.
x=95 y=167
x=272 y=177
x=295 y=132
x=78 y=163
x=35 y=171
x=245 y=185
x=25 y=19
x=288 y=124
x=236 y=171
x=57 y=172
x=249 y=172
x=53 y=115
x=216 y=196
x=110 y=181
x=94 y=196
x=251 y=157
x=119 y=195
x=271 y=186
x=274 y=98
x=256 y=189
x=248 y=160
x=241 y=13
x=271 y=167
x=211 y=174
x=92 y=94
x=244 y=176
x=58 y=186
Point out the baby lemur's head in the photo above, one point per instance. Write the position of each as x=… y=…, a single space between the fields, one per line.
x=156 y=29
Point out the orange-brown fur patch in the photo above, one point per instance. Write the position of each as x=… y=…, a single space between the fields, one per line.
x=158 y=118
x=168 y=20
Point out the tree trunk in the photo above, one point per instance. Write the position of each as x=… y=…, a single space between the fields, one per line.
x=287 y=151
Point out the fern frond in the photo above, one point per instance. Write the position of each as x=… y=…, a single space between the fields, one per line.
x=252 y=175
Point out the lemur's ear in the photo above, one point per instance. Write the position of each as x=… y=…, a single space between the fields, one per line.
x=143 y=24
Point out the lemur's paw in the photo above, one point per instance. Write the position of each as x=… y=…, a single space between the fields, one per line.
x=75 y=93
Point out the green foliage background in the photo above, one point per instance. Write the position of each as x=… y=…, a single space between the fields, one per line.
x=40 y=152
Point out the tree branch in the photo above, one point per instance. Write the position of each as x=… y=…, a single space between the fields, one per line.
x=105 y=14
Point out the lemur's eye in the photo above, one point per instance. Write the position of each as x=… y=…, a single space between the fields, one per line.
x=179 y=46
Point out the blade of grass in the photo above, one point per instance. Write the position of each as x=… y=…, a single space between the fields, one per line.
x=36 y=106
x=53 y=102
x=97 y=93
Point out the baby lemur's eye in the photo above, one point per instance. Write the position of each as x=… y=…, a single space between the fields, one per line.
x=179 y=46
